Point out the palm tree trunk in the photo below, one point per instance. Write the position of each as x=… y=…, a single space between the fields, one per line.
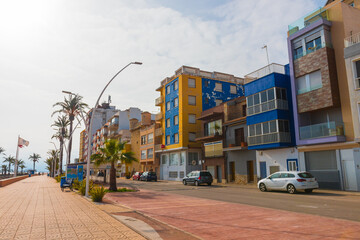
x=112 y=177
x=34 y=166
x=70 y=139
x=9 y=167
x=61 y=156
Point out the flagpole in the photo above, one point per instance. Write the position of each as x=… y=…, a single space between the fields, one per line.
x=16 y=158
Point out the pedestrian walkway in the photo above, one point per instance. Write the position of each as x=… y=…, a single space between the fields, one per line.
x=35 y=208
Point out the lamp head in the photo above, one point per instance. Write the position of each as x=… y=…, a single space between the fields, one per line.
x=138 y=63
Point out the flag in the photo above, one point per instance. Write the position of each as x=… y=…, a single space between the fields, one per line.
x=22 y=142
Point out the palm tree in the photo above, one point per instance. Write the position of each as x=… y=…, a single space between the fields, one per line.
x=48 y=162
x=71 y=107
x=113 y=152
x=35 y=158
x=61 y=123
x=3 y=169
x=2 y=150
x=22 y=166
x=10 y=160
x=20 y=162
x=53 y=156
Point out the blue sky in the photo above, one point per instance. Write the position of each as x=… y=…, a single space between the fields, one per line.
x=50 y=46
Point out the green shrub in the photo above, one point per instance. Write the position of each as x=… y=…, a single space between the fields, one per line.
x=97 y=193
x=76 y=184
x=58 y=177
x=122 y=190
x=82 y=186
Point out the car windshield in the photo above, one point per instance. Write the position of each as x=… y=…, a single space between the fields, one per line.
x=152 y=173
x=305 y=175
x=205 y=174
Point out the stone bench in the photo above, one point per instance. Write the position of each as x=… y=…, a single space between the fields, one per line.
x=7 y=181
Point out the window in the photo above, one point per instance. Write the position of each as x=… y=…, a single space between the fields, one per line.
x=174 y=159
x=191 y=83
x=182 y=158
x=269 y=127
x=357 y=73
x=292 y=165
x=143 y=140
x=192 y=137
x=313 y=45
x=176 y=85
x=168 y=89
x=213 y=128
x=167 y=106
x=168 y=123
x=150 y=138
x=218 y=102
x=176 y=138
x=143 y=154
x=168 y=139
x=164 y=159
x=218 y=87
x=193 y=158
x=192 y=118
x=173 y=174
x=233 y=89
x=150 y=153
x=309 y=82
x=298 y=52
x=250 y=101
x=176 y=120
x=176 y=102
x=192 y=100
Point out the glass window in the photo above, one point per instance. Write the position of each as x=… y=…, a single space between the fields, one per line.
x=150 y=153
x=168 y=122
x=168 y=139
x=182 y=158
x=174 y=159
x=286 y=126
x=193 y=158
x=281 y=125
x=176 y=120
x=143 y=154
x=270 y=94
x=176 y=85
x=233 y=89
x=176 y=102
x=150 y=137
x=258 y=129
x=167 y=106
x=263 y=97
x=143 y=140
x=283 y=93
x=256 y=99
x=191 y=83
x=192 y=118
x=250 y=101
x=164 y=159
x=213 y=128
x=266 y=128
x=192 y=137
x=272 y=126
x=357 y=73
x=218 y=102
x=275 y=175
x=278 y=93
x=192 y=100
x=218 y=87
x=176 y=138
x=315 y=80
x=301 y=84
x=298 y=52
x=168 y=89
x=252 y=130
x=306 y=175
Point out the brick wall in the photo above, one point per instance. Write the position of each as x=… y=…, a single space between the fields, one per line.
x=327 y=96
x=8 y=181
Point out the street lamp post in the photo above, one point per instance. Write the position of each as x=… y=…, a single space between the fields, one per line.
x=90 y=127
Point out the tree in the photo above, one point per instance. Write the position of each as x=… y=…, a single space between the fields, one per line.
x=71 y=107
x=20 y=162
x=3 y=169
x=22 y=166
x=61 y=126
x=2 y=150
x=113 y=152
x=53 y=156
x=10 y=160
x=35 y=158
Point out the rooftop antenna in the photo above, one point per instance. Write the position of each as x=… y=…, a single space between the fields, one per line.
x=267 y=56
x=109 y=99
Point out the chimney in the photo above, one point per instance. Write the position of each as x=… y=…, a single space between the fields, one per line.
x=145 y=118
x=133 y=122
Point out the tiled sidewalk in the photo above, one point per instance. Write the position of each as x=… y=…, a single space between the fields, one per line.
x=35 y=208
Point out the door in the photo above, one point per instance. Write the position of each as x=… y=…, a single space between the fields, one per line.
x=273 y=181
x=164 y=169
x=219 y=174
x=348 y=167
x=232 y=171
x=239 y=136
x=263 y=170
x=250 y=171
x=211 y=169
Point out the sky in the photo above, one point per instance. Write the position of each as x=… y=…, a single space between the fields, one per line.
x=78 y=46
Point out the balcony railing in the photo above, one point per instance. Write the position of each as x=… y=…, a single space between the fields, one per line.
x=321 y=130
x=235 y=142
x=352 y=40
x=267 y=106
x=269 y=138
x=303 y=22
x=158 y=101
x=158 y=132
x=202 y=134
x=262 y=72
x=158 y=116
x=157 y=147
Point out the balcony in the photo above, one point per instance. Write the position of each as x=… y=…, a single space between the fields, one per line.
x=269 y=138
x=322 y=130
x=352 y=40
x=267 y=106
x=158 y=117
x=262 y=72
x=159 y=101
x=158 y=132
x=158 y=147
x=201 y=135
x=114 y=123
x=303 y=22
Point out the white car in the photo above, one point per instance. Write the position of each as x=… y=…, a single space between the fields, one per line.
x=289 y=181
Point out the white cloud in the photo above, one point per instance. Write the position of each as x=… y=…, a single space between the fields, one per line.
x=49 y=46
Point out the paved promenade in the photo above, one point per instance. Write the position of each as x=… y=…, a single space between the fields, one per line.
x=35 y=208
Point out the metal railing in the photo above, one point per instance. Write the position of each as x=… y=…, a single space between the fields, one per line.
x=322 y=130
x=267 y=106
x=271 y=68
x=269 y=138
x=353 y=39
x=201 y=134
x=158 y=101
x=310 y=18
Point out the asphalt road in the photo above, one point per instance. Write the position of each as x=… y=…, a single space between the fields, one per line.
x=335 y=204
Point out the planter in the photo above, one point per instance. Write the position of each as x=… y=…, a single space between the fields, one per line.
x=231 y=145
x=243 y=144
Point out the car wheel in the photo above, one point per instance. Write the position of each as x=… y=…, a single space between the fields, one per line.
x=62 y=189
x=184 y=182
x=209 y=183
x=308 y=190
x=262 y=187
x=291 y=189
x=196 y=183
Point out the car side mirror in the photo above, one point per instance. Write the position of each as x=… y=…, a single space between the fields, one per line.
x=269 y=177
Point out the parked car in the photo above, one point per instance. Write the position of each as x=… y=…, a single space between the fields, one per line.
x=136 y=176
x=289 y=181
x=148 y=176
x=198 y=177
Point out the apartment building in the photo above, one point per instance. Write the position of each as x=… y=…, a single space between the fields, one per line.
x=182 y=99
x=323 y=122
